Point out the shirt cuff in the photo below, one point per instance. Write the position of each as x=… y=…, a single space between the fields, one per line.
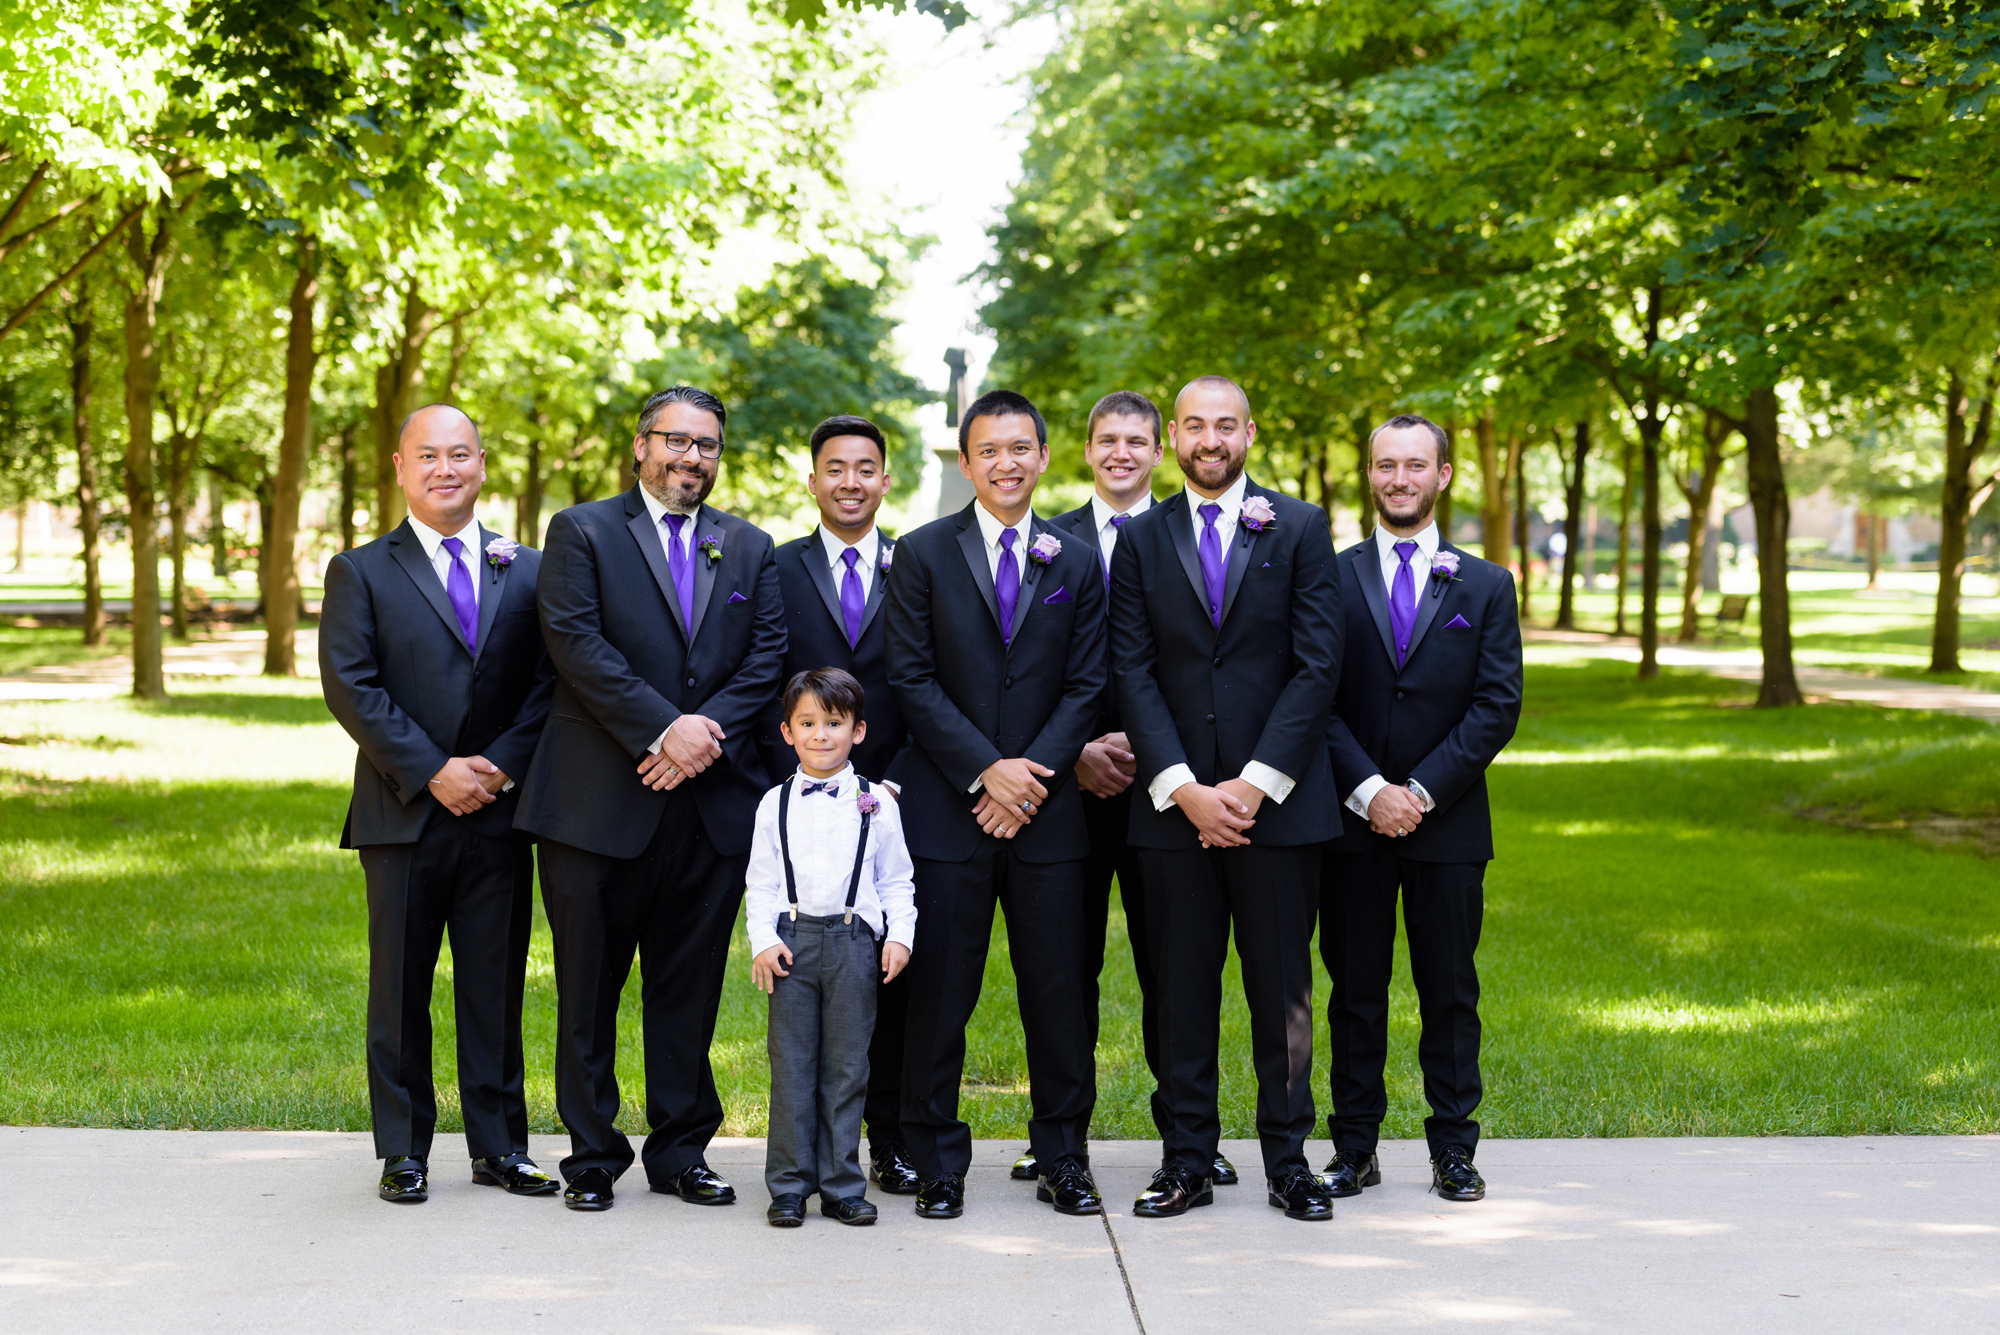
x=977 y=784
x=1268 y=781
x=1422 y=795
x=507 y=787
x=1364 y=793
x=1161 y=789
x=659 y=741
x=762 y=937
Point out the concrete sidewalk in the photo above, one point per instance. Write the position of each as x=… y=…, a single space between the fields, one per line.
x=260 y=1231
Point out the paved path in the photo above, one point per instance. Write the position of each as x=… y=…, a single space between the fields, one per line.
x=255 y=1231
x=231 y=653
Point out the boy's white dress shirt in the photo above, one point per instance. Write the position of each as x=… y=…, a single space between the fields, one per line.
x=823 y=831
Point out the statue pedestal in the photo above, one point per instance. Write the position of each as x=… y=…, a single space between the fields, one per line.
x=954 y=488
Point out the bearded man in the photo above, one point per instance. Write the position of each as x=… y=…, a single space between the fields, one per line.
x=1431 y=693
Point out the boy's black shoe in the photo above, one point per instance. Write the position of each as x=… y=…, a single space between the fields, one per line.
x=894 y=1173
x=856 y=1210
x=1454 y=1178
x=1224 y=1173
x=1346 y=1174
x=589 y=1190
x=787 y=1211
x=1174 y=1191
x=1024 y=1168
x=405 y=1180
x=698 y=1186
x=1068 y=1187
x=1301 y=1195
x=942 y=1198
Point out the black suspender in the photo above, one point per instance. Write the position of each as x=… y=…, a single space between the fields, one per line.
x=785 y=847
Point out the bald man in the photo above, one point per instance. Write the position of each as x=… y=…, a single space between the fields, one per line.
x=431 y=656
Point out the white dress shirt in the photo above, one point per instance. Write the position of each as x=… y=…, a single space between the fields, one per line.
x=1274 y=784
x=1101 y=514
x=468 y=556
x=990 y=530
x=1420 y=569
x=823 y=832
x=870 y=548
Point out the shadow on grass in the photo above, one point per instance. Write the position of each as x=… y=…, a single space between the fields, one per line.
x=242 y=708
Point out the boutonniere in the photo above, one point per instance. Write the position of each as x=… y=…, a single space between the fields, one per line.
x=888 y=554
x=869 y=803
x=1444 y=570
x=1257 y=514
x=500 y=554
x=1044 y=549
x=711 y=546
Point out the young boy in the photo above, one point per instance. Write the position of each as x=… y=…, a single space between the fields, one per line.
x=829 y=898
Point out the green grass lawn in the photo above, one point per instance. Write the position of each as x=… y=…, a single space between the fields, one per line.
x=1678 y=941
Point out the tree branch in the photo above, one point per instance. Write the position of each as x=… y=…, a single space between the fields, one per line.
x=21 y=199
x=20 y=317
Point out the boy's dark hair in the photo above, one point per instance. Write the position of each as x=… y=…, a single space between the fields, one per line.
x=837 y=692
x=1000 y=403
x=1123 y=403
x=848 y=426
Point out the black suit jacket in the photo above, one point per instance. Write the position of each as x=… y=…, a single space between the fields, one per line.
x=971 y=699
x=816 y=636
x=1440 y=720
x=1258 y=689
x=627 y=669
x=396 y=673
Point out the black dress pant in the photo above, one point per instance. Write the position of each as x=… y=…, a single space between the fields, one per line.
x=1193 y=898
x=1044 y=907
x=675 y=904
x=481 y=891
x=1443 y=903
x=1112 y=856
x=882 y=1111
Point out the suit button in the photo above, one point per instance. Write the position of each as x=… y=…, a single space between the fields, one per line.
x=1211 y=718
x=1218 y=662
x=1399 y=695
x=1008 y=684
x=690 y=681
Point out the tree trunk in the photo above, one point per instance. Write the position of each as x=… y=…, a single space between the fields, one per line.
x=461 y=343
x=347 y=484
x=1650 y=428
x=281 y=567
x=218 y=530
x=1494 y=536
x=142 y=387
x=1715 y=431
x=80 y=329
x=396 y=381
x=1962 y=453
x=180 y=454
x=1875 y=526
x=1590 y=543
x=1573 y=532
x=1364 y=494
x=1517 y=452
x=528 y=503
x=1624 y=571
x=1773 y=507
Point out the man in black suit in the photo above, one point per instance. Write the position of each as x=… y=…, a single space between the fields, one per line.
x=431 y=657
x=664 y=621
x=834 y=581
x=996 y=650
x=1431 y=693
x=1226 y=645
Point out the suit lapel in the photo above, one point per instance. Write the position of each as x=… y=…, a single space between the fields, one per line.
x=1427 y=609
x=410 y=555
x=1031 y=575
x=489 y=596
x=704 y=569
x=1368 y=569
x=1240 y=552
x=1083 y=523
x=814 y=556
x=647 y=535
x=1182 y=533
x=972 y=543
x=876 y=587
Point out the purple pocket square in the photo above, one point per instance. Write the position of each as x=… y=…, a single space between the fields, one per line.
x=1458 y=621
x=1061 y=595
x=738 y=598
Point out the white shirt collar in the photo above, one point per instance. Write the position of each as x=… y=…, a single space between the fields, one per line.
x=1101 y=512
x=833 y=545
x=1426 y=540
x=656 y=508
x=1231 y=501
x=991 y=528
x=432 y=539
x=800 y=778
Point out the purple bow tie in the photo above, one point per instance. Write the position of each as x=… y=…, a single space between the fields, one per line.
x=831 y=787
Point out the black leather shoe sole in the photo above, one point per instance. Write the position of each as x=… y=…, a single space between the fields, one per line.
x=1450 y=1193
x=587 y=1204
x=895 y=1186
x=778 y=1219
x=399 y=1196
x=1313 y=1212
x=1024 y=1169
x=1091 y=1206
x=1149 y=1210
x=517 y=1188
x=861 y=1217
x=673 y=1189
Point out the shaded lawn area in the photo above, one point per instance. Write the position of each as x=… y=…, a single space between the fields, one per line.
x=1671 y=947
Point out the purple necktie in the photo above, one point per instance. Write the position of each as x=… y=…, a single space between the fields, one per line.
x=852 y=600
x=1007 y=585
x=1403 y=601
x=458 y=587
x=681 y=566
x=1212 y=568
x=1118 y=523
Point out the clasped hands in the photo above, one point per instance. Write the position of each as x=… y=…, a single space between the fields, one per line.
x=1395 y=811
x=691 y=744
x=467 y=783
x=1010 y=794
x=1220 y=814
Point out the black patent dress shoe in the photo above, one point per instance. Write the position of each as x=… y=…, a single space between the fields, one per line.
x=858 y=1211
x=1346 y=1174
x=698 y=1186
x=1024 y=1168
x=1068 y=1187
x=1174 y=1191
x=405 y=1180
x=517 y=1173
x=589 y=1190
x=1224 y=1173
x=1301 y=1195
x=1454 y=1178
x=787 y=1211
x=892 y=1171
x=942 y=1197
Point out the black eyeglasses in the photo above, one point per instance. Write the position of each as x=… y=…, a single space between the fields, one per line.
x=709 y=447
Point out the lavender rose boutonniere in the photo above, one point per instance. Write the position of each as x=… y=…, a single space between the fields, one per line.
x=1257 y=514
x=869 y=803
x=711 y=547
x=888 y=555
x=1045 y=549
x=500 y=554
x=1444 y=570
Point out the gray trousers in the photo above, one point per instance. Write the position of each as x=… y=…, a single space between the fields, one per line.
x=822 y=1017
